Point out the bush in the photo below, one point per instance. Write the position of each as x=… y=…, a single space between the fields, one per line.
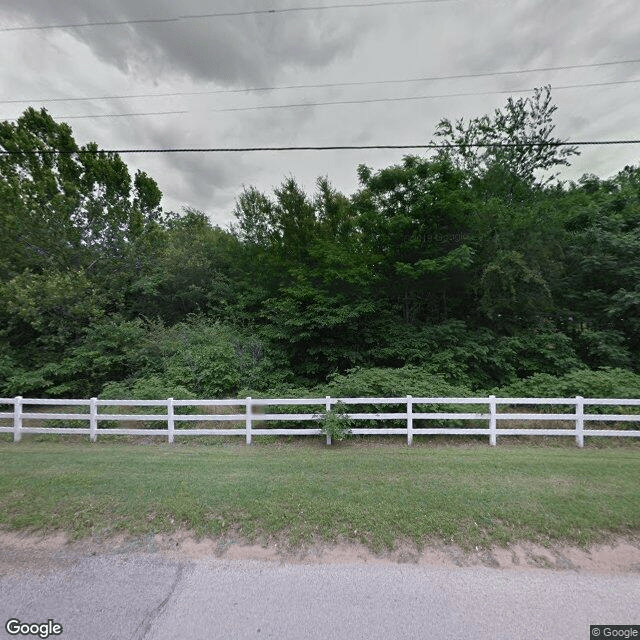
x=391 y=383
x=603 y=348
x=211 y=358
x=543 y=352
x=336 y=423
x=151 y=388
x=603 y=383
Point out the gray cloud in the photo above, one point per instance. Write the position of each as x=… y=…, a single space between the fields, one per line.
x=469 y=36
x=541 y=32
x=228 y=51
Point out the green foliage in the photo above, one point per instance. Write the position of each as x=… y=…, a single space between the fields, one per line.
x=336 y=423
x=604 y=348
x=520 y=123
x=415 y=227
x=67 y=211
x=604 y=383
x=183 y=269
x=512 y=291
x=145 y=388
x=538 y=351
x=390 y=383
x=148 y=388
x=210 y=358
x=439 y=276
x=204 y=359
x=49 y=308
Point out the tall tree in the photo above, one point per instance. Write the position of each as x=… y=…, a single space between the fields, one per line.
x=516 y=141
x=65 y=206
x=414 y=219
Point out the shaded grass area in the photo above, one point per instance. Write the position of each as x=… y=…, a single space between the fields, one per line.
x=471 y=495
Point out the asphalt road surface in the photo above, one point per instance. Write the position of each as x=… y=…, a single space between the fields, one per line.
x=153 y=597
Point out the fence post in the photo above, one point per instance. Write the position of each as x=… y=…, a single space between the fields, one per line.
x=327 y=406
x=580 y=421
x=170 y=420
x=17 y=418
x=409 y=420
x=248 y=420
x=493 y=434
x=93 y=419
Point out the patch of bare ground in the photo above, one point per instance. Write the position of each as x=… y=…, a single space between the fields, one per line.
x=28 y=552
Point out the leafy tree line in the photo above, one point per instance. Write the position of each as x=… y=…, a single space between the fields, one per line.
x=467 y=270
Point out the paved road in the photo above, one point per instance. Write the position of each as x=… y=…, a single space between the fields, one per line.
x=152 y=597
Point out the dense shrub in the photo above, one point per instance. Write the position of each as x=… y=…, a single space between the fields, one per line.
x=383 y=382
x=603 y=383
x=151 y=388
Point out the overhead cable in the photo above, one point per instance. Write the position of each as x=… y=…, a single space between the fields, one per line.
x=326 y=85
x=496 y=145
x=342 y=102
x=221 y=14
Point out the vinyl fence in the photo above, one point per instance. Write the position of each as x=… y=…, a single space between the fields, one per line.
x=409 y=412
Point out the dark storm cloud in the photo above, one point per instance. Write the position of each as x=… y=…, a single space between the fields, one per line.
x=232 y=50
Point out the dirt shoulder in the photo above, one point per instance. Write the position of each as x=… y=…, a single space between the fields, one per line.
x=25 y=552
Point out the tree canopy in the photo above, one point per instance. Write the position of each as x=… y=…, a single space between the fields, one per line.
x=468 y=269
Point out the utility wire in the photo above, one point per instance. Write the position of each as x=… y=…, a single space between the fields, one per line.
x=328 y=84
x=225 y=14
x=429 y=97
x=498 y=145
x=358 y=101
x=125 y=115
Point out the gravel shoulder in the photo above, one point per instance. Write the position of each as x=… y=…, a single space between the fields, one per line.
x=20 y=551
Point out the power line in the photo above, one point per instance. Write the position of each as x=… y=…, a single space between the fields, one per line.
x=356 y=5
x=226 y=14
x=429 y=97
x=126 y=115
x=498 y=145
x=90 y=24
x=358 y=101
x=328 y=84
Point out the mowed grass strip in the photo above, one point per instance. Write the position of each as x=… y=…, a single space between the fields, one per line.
x=472 y=495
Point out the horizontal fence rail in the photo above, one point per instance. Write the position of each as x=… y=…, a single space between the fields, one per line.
x=249 y=411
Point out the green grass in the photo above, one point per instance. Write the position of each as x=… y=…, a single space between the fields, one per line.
x=376 y=494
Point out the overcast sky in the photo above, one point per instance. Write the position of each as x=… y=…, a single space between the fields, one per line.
x=313 y=47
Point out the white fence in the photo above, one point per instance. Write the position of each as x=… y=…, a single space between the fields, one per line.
x=253 y=411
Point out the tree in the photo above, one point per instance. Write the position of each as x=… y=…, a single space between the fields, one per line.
x=69 y=217
x=516 y=141
x=600 y=289
x=414 y=220
x=310 y=277
x=190 y=266
x=63 y=206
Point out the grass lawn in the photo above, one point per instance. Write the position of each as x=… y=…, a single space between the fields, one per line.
x=378 y=494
